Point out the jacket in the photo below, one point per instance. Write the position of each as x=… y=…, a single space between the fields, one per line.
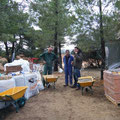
x=78 y=60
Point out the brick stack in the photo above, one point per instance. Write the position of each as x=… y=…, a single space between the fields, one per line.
x=112 y=86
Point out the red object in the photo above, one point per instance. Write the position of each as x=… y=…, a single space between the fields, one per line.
x=32 y=59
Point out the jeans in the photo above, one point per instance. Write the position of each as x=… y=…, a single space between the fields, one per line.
x=76 y=75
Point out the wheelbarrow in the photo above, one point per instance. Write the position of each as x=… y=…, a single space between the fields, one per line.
x=14 y=96
x=50 y=79
x=86 y=83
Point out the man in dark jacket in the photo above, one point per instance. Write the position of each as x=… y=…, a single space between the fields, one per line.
x=68 y=59
x=77 y=63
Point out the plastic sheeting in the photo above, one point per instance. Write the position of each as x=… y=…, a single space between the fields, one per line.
x=112 y=50
x=115 y=67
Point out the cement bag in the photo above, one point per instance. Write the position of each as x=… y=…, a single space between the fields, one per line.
x=5 y=85
x=39 y=81
x=36 y=67
x=19 y=80
x=31 y=82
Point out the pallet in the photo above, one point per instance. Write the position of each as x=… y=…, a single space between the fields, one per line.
x=112 y=100
x=13 y=68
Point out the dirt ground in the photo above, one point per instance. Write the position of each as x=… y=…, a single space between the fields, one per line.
x=65 y=103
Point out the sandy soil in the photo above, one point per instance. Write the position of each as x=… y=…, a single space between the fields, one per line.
x=65 y=103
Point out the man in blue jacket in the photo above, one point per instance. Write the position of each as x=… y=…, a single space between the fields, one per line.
x=68 y=59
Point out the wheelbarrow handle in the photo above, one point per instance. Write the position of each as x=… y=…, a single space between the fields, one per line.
x=9 y=97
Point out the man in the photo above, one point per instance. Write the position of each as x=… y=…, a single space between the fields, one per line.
x=48 y=58
x=77 y=63
x=68 y=59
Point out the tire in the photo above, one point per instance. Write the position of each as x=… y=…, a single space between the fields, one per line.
x=21 y=102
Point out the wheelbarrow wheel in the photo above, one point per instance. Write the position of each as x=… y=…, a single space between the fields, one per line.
x=21 y=102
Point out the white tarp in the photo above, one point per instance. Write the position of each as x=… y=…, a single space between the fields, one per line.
x=5 y=85
x=24 y=64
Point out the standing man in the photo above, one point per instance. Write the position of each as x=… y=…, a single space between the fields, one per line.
x=68 y=59
x=48 y=58
x=77 y=63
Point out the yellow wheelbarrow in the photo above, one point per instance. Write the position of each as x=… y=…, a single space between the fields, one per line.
x=50 y=79
x=86 y=82
x=14 y=96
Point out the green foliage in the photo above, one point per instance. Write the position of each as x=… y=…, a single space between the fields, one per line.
x=14 y=26
x=64 y=17
x=117 y=4
x=87 y=24
x=47 y=14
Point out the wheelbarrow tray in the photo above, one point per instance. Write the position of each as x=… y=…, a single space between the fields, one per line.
x=86 y=81
x=14 y=93
x=50 y=78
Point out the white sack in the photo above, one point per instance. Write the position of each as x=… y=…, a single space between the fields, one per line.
x=5 y=85
x=31 y=82
x=39 y=81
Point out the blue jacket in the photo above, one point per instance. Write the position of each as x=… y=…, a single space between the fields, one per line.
x=69 y=65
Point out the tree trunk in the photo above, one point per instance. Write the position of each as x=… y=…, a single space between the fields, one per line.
x=13 y=51
x=60 y=57
x=56 y=52
x=7 y=52
x=56 y=36
x=19 y=46
x=102 y=40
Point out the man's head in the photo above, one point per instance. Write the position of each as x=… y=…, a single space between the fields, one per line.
x=76 y=49
x=50 y=49
x=67 y=52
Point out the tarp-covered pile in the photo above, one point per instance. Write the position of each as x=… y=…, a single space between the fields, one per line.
x=23 y=78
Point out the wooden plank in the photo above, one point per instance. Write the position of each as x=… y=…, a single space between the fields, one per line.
x=13 y=68
x=112 y=100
